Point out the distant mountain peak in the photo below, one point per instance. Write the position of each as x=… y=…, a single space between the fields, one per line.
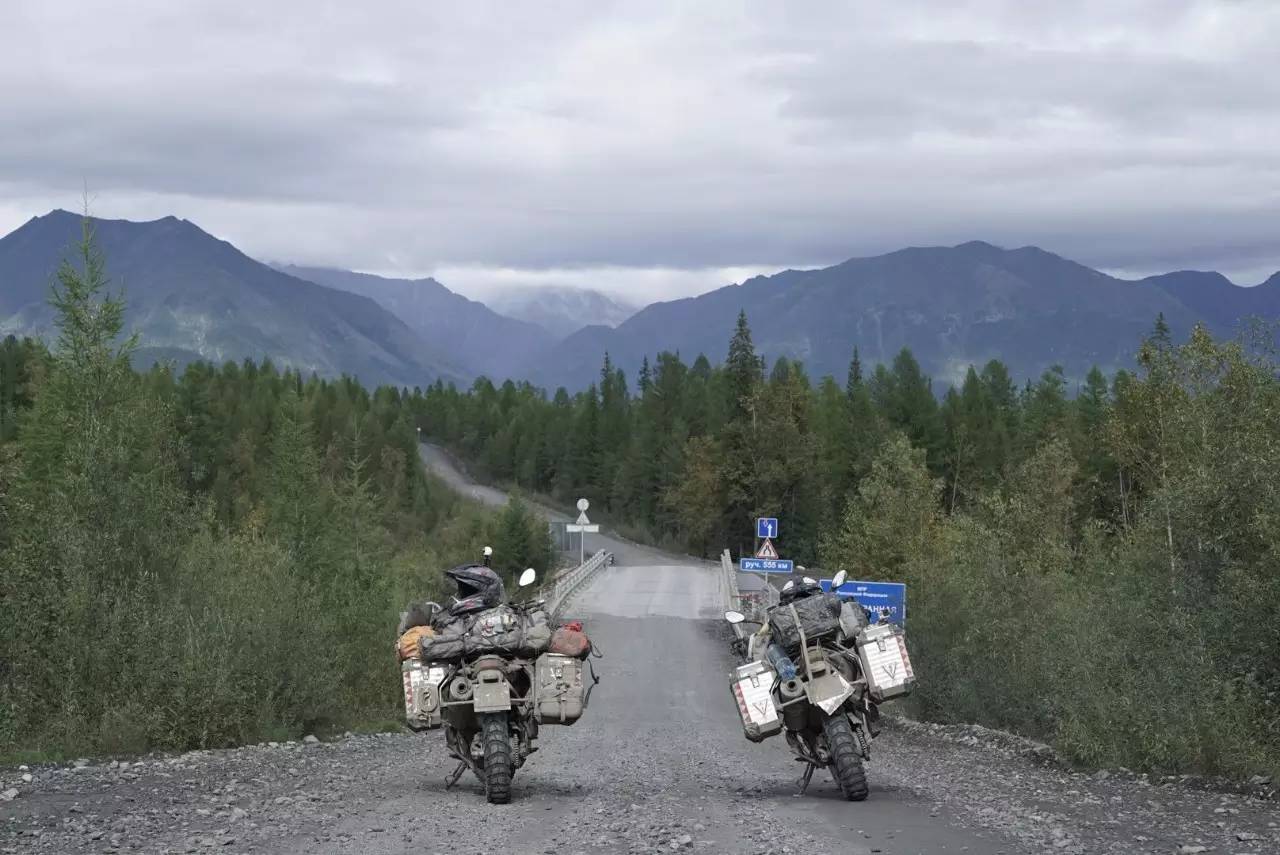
x=193 y=294
x=561 y=310
x=61 y=214
x=1199 y=278
x=978 y=246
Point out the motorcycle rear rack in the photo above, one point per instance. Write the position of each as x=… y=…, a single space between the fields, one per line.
x=515 y=702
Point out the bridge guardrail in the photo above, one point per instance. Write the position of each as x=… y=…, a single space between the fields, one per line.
x=729 y=594
x=753 y=603
x=567 y=583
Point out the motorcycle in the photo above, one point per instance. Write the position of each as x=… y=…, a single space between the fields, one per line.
x=828 y=702
x=491 y=703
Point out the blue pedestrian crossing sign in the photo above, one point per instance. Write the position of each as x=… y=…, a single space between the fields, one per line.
x=886 y=602
x=767 y=527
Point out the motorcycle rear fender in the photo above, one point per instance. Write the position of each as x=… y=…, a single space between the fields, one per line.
x=492 y=692
x=829 y=692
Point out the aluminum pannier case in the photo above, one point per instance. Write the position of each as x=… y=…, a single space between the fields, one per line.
x=561 y=693
x=752 y=686
x=422 y=694
x=882 y=649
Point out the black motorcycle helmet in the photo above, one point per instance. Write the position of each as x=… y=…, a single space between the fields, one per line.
x=798 y=587
x=479 y=588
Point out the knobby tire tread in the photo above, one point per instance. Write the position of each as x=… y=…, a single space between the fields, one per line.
x=497 y=758
x=846 y=760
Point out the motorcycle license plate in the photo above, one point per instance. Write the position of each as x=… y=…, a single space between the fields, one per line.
x=492 y=697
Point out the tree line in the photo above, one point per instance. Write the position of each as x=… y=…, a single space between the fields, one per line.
x=211 y=558
x=1091 y=563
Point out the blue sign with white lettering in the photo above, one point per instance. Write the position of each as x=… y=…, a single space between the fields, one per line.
x=884 y=601
x=766 y=565
x=767 y=527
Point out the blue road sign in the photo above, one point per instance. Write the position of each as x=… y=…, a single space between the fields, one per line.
x=766 y=565
x=882 y=600
x=767 y=527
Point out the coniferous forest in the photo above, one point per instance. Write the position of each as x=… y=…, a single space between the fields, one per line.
x=1093 y=563
x=209 y=559
x=219 y=557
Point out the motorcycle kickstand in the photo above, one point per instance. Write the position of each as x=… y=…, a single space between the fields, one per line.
x=806 y=778
x=455 y=775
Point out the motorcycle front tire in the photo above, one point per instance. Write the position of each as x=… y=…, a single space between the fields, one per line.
x=497 y=757
x=846 y=761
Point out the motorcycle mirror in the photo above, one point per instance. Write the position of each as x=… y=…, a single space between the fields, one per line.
x=734 y=617
x=839 y=579
x=527 y=577
x=488 y=550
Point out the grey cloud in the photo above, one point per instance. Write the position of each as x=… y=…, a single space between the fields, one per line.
x=410 y=136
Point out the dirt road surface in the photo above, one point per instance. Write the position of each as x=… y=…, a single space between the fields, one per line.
x=659 y=764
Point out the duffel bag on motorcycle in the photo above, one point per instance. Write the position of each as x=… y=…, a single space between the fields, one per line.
x=537 y=632
x=819 y=617
x=410 y=644
x=508 y=632
x=447 y=645
x=497 y=630
x=568 y=641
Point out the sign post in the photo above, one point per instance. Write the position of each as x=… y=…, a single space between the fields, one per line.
x=766 y=561
x=582 y=527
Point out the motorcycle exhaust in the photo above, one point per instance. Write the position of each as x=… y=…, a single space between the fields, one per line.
x=795 y=716
x=461 y=689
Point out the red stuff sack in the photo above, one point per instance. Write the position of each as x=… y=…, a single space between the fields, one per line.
x=575 y=625
x=570 y=642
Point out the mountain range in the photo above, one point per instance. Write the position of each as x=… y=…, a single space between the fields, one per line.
x=953 y=306
x=193 y=296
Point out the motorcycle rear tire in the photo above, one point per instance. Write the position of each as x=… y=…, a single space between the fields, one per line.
x=497 y=757
x=846 y=761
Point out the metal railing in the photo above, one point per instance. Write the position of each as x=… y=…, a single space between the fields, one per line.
x=568 y=582
x=753 y=603
x=729 y=594
x=728 y=581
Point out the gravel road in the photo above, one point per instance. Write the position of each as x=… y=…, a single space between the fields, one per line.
x=657 y=765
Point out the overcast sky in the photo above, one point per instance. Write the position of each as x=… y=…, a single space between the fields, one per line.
x=655 y=149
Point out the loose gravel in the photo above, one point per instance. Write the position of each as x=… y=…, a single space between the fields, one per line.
x=657 y=765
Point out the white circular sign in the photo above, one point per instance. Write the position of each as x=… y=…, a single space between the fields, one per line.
x=583 y=504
